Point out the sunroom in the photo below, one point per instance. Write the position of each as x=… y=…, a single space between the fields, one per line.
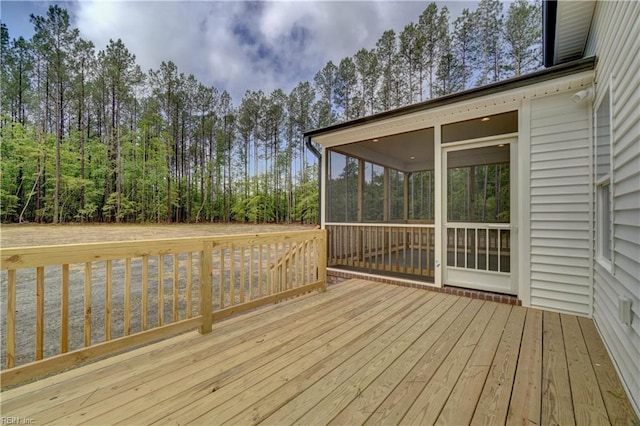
x=438 y=193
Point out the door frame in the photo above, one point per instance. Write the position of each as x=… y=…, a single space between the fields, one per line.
x=466 y=275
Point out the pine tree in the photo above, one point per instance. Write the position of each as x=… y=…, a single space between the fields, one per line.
x=119 y=68
x=431 y=33
x=411 y=51
x=17 y=65
x=325 y=84
x=55 y=39
x=366 y=63
x=386 y=52
x=488 y=24
x=449 y=78
x=346 y=81
x=464 y=46
x=523 y=36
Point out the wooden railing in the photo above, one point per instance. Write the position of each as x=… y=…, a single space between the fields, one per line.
x=406 y=249
x=67 y=304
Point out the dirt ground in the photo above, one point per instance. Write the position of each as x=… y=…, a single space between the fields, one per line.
x=41 y=235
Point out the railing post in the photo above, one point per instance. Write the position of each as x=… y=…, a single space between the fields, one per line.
x=206 y=296
x=322 y=261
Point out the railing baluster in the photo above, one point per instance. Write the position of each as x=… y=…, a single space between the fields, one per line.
x=404 y=249
x=283 y=271
x=274 y=281
x=475 y=236
x=465 y=247
x=145 y=290
x=487 y=247
x=420 y=265
x=310 y=253
x=87 y=303
x=389 y=249
x=260 y=262
x=127 y=296
x=160 y=290
x=206 y=291
x=431 y=243
x=353 y=246
x=343 y=248
x=232 y=275
x=64 y=320
x=11 y=318
x=353 y=249
x=39 y=312
x=251 y=271
x=107 y=301
x=176 y=288
x=455 y=246
x=499 y=245
x=268 y=270
x=242 y=274
x=321 y=262
x=221 y=280
x=398 y=248
x=189 y=283
x=302 y=262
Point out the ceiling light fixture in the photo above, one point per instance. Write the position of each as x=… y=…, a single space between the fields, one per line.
x=485 y=119
x=412 y=158
x=501 y=145
x=374 y=140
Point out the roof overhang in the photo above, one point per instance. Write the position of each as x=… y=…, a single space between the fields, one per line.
x=566 y=26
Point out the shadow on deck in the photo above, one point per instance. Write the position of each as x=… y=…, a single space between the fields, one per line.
x=362 y=352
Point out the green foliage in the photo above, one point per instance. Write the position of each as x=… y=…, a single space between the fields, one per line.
x=479 y=194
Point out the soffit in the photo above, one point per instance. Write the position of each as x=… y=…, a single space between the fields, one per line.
x=573 y=22
x=409 y=152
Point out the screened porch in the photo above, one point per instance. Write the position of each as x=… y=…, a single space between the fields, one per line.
x=380 y=200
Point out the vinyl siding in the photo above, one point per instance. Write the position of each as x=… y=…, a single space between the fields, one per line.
x=615 y=39
x=560 y=203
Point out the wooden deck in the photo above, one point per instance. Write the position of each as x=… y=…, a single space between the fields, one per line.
x=360 y=353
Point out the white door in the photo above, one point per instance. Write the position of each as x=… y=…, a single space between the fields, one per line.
x=479 y=206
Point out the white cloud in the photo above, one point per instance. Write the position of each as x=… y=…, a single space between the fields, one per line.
x=241 y=46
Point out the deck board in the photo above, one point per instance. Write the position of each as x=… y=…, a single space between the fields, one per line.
x=360 y=353
x=557 y=407
x=493 y=404
x=525 y=404
x=462 y=401
x=193 y=380
x=588 y=405
x=427 y=406
x=618 y=407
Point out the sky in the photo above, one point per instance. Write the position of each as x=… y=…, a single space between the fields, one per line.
x=233 y=45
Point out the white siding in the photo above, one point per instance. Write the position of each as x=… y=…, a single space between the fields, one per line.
x=615 y=39
x=560 y=200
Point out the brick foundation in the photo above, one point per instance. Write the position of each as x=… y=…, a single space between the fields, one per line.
x=337 y=276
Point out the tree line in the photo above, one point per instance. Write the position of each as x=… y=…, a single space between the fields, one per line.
x=87 y=135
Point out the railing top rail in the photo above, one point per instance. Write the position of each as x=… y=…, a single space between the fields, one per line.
x=478 y=225
x=26 y=257
x=382 y=225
